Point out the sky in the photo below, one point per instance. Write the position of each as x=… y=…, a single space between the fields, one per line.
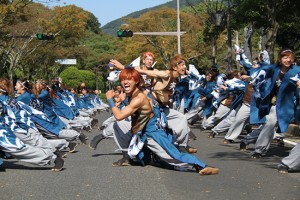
x=109 y=10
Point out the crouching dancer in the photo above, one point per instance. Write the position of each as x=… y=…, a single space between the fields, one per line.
x=12 y=145
x=145 y=129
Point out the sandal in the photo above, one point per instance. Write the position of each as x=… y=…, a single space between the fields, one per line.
x=212 y=135
x=227 y=141
x=283 y=169
x=121 y=162
x=256 y=156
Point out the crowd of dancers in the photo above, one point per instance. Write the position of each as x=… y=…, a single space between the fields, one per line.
x=40 y=121
x=152 y=111
x=261 y=99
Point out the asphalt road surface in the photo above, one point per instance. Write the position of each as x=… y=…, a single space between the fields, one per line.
x=89 y=175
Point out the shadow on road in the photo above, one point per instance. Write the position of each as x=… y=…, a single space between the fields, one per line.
x=105 y=154
x=12 y=165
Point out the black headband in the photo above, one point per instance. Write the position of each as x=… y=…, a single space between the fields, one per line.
x=22 y=83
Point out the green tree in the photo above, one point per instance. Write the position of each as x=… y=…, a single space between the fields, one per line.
x=35 y=58
x=103 y=47
x=93 y=24
x=273 y=16
x=164 y=47
x=73 y=77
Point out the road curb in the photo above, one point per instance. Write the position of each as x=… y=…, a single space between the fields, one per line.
x=293 y=130
x=292 y=135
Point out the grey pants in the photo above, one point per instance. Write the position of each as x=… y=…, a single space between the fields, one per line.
x=77 y=122
x=178 y=123
x=33 y=155
x=225 y=123
x=67 y=134
x=293 y=159
x=264 y=134
x=180 y=108
x=163 y=155
x=84 y=113
x=84 y=121
x=237 y=125
x=267 y=133
x=214 y=119
x=192 y=113
x=251 y=138
x=35 y=138
x=108 y=131
x=122 y=133
x=65 y=121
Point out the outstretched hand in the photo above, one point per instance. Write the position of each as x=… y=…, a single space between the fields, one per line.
x=117 y=64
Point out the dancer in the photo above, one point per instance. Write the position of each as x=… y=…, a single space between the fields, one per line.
x=144 y=125
x=274 y=93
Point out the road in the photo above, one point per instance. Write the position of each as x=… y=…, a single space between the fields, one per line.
x=88 y=175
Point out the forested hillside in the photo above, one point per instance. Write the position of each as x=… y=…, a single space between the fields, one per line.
x=112 y=27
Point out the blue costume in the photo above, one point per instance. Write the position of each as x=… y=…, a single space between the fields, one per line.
x=153 y=129
x=48 y=104
x=285 y=98
x=206 y=91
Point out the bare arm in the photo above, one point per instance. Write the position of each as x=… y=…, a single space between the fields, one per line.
x=245 y=77
x=117 y=64
x=154 y=73
x=223 y=87
x=133 y=106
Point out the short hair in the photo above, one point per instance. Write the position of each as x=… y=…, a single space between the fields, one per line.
x=148 y=54
x=129 y=73
x=285 y=52
x=176 y=60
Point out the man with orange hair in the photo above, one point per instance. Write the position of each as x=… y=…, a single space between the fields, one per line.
x=164 y=82
x=121 y=129
x=144 y=128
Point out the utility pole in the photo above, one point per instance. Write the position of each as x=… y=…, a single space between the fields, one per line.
x=178 y=28
x=97 y=68
x=229 y=42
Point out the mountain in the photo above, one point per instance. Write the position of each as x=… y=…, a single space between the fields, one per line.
x=113 y=26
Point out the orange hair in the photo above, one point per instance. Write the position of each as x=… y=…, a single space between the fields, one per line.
x=128 y=74
x=148 y=54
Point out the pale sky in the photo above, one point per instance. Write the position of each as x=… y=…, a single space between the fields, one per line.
x=109 y=10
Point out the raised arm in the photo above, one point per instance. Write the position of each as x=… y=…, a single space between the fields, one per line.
x=117 y=64
x=154 y=73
